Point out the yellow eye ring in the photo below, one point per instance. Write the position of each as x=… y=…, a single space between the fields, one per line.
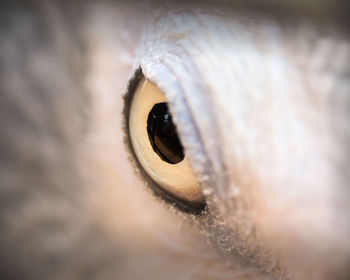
x=176 y=179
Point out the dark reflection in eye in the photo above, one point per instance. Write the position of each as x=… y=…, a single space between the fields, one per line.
x=163 y=136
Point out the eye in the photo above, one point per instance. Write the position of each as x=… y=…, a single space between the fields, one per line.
x=157 y=145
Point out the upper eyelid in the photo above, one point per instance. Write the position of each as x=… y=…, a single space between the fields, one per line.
x=198 y=128
x=184 y=98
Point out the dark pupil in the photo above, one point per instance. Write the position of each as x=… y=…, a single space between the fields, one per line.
x=162 y=134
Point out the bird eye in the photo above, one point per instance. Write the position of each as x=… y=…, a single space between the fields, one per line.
x=157 y=146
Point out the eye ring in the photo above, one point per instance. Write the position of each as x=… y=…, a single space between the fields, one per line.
x=176 y=180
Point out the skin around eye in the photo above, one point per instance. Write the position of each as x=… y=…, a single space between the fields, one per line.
x=157 y=146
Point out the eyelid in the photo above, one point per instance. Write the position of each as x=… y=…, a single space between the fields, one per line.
x=194 y=207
